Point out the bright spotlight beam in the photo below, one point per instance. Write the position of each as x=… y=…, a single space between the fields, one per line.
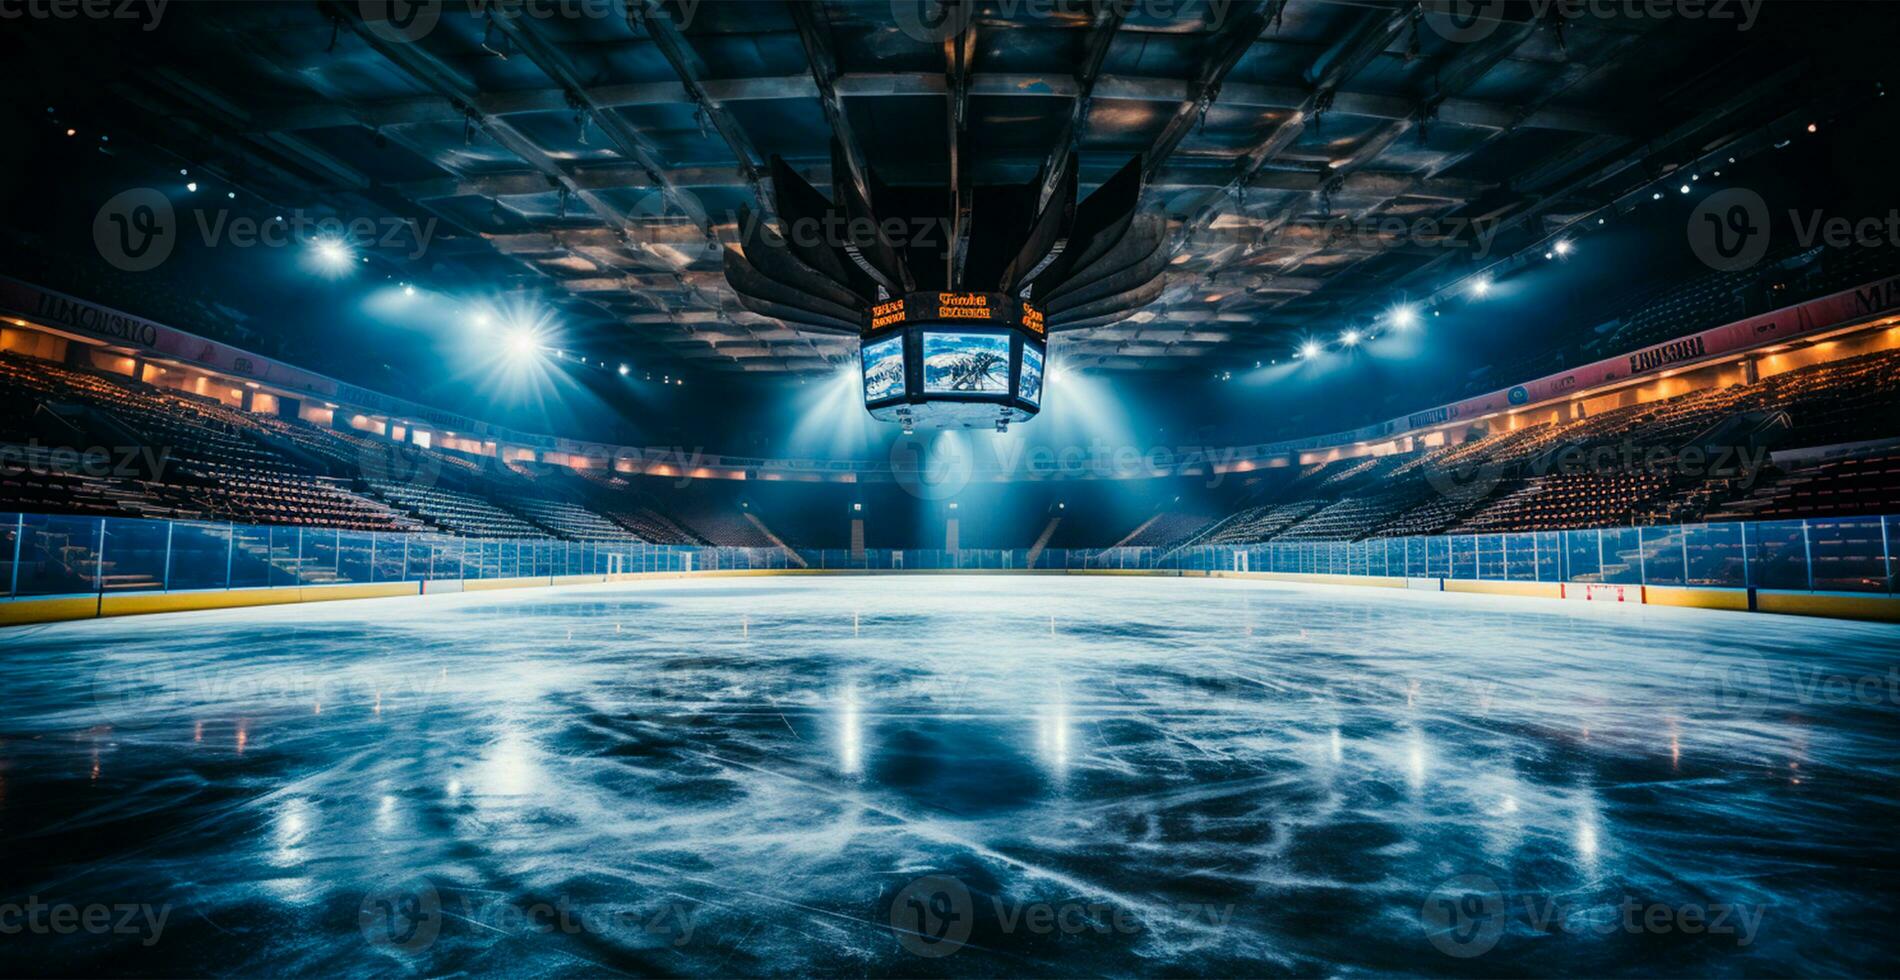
x=1404 y=315
x=524 y=343
x=333 y=254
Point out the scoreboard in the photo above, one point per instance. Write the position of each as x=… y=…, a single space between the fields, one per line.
x=987 y=309
x=953 y=360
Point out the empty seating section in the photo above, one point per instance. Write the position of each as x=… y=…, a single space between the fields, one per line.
x=1261 y=523
x=207 y=459
x=195 y=458
x=648 y=524
x=1837 y=488
x=1622 y=466
x=453 y=510
x=1167 y=529
x=567 y=520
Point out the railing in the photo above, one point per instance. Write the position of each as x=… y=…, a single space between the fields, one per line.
x=59 y=555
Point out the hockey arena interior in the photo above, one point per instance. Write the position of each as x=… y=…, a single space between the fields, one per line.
x=949 y=487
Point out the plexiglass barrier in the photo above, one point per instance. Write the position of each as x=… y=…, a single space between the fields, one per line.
x=50 y=555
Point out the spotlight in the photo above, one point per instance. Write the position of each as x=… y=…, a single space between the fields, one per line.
x=333 y=253
x=1310 y=349
x=625 y=370
x=1656 y=196
x=408 y=290
x=1403 y=315
x=1481 y=286
x=231 y=194
x=1564 y=247
x=1684 y=188
x=1812 y=128
x=1550 y=255
x=192 y=186
x=72 y=132
x=1349 y=338
x=523 y=343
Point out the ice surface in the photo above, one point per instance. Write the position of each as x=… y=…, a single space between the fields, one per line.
x=1024 y=775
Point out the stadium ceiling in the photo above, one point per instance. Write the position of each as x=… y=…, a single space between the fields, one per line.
x=1316 y=159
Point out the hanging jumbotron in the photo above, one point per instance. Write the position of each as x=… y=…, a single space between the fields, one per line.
x=953 y=299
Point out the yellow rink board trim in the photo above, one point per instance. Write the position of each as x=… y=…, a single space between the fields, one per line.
x=26 y=611
x=1834 y=605
x=21 y=612
x=366 y=590
x=1535 y=590
x=140 y=603
x=1666 y=595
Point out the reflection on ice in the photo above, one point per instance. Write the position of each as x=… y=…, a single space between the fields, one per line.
x=743 y=777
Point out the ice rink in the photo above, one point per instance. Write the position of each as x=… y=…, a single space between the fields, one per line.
x=925 y=774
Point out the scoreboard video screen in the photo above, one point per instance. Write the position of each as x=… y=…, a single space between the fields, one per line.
x=953 y=360
x=966 y=363
x=884 y=369
x=1029 y=389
